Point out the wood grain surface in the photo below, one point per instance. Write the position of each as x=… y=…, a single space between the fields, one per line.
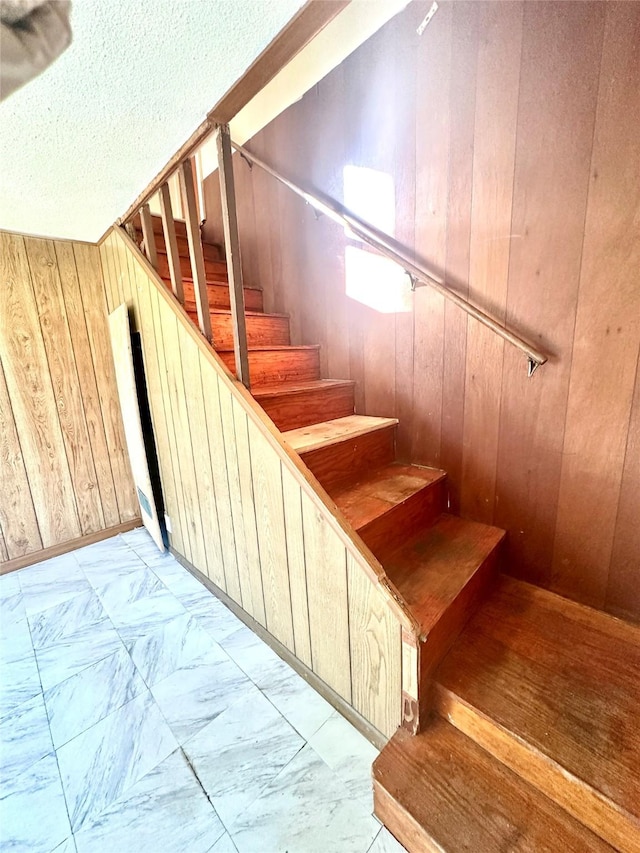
x=65 y=472
x=510 y=134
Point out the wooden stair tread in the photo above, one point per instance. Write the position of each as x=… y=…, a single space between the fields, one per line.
x=554 y=686
x=277 y=348
x=332 y=432
x=431 y=568
x=210 y=283
x=281 y=389
x=440 y=791
x=379 y=491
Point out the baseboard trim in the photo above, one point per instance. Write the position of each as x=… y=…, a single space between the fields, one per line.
x=65 y=547
x=357 y=720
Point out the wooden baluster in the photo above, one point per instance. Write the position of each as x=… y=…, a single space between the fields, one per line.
x=195 y=249
x=171 y=243
x=232 y=247
x=148 y=236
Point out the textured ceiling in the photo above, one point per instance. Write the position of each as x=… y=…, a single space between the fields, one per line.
x=81 y=141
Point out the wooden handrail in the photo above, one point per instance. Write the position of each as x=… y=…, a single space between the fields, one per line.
x=382 y=244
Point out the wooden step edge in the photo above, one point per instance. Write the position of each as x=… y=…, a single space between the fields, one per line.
x=441 y=791
x=211 y=283
x=292 y=389
x=591 y=807
x=418 y=510
x=301 y=439
x=276 y=347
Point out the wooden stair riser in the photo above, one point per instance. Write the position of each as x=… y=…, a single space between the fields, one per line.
x=279 y=365
x=309 y=407
x=212 y=251
x=589 y=806
x=215 y=270
x=386 y=532
x=443 y=635
x=339 y=462
x=441 y=792
x=219 y=297
x=262 y=330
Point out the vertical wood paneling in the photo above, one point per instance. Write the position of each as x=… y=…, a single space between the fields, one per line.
x=292 y=498
x=4 y=554
x=236 y=581
x=623 y=589
x=65 y=382
x=491 y=112
x=59 y=435
x=326 y=565
x=17 y=513
x=375 y=642
x=558 y=94
x=493 y=163
x=87 y=381
x=32 y=399
x=267 y=485
x=178 y=410
x=229 y=579
x=252 y=592
x=92 y=292
x=207 y=505
x=462 y=105
x=431 y=163
x=607 y=332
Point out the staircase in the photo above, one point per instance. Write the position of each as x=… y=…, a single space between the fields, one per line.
x=523 y=731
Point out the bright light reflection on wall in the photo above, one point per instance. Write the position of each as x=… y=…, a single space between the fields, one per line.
x=376 y=281
x=372 y=279
x=370 y=195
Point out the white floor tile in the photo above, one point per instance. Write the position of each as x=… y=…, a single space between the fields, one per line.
x=296 y=700
x=138 y=603
x=196 y=694
x=78 y=703
x=99 y=765
x=224 y=845
x=72 y=654
x=167 y=646
x=165 y=811
x=212 y=614
x=33 y=815
x=384 y=842
x=24 y=740
x=9 y=584
x=67 y=846
x=251 y=654
x=240 y=752
x=349 y=754
x=305 y=808
x=19 y=679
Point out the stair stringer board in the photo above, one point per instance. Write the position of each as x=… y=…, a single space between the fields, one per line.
x=249 y=515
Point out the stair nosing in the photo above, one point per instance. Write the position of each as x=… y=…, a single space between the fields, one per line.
x=377 y=425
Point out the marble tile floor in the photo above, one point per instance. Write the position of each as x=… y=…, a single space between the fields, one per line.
x=137 y=713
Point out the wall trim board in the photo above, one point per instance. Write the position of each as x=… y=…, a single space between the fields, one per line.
x=377 y=738
x=303 y=476
x=65 y=547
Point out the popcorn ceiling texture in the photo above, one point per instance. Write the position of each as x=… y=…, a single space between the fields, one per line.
x=81 y=141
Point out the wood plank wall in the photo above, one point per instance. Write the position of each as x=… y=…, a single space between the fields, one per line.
x=511 y=131
x=243 y=514
x=64 y=470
